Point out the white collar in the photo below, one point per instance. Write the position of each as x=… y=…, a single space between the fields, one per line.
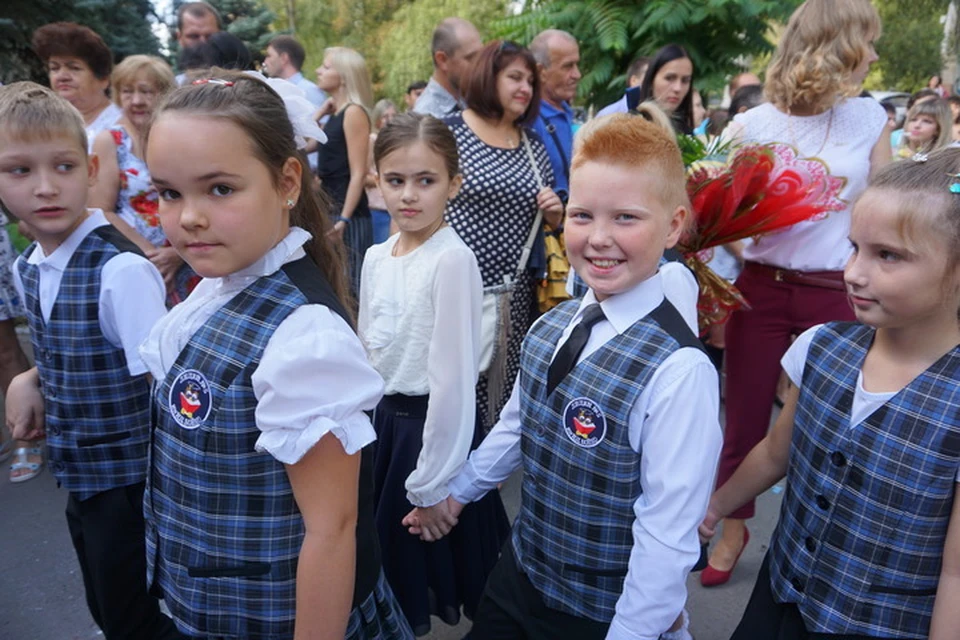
x=287 y=250
x=623 y=310
x=61 y=255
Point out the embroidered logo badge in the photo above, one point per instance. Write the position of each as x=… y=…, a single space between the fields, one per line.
x=584 y=423
x=189 y=402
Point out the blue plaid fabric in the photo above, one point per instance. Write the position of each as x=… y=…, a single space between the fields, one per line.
x=97 y=414
x=223 y=528
x=865 y=514
x=573 y=535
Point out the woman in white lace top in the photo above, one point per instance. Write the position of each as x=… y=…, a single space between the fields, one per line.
x=793 y=279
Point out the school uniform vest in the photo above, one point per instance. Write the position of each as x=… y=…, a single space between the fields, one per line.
x=864 y=517
x=227 y=565
x=581 y=477
x=97 y=414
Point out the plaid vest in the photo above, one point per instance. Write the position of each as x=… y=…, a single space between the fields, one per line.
x=97 y=414
x=864 y=517
x=581 y=477
x=223 y=528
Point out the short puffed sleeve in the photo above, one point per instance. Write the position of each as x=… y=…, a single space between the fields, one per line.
x=314 y=379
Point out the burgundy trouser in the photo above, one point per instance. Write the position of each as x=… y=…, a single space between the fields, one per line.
x=756 y=340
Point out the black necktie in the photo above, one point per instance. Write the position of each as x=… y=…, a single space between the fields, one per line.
x=567 y=355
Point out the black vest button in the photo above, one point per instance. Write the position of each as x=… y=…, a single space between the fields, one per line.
x=810 y=544
x=54 y=431
x=797 y=584
x=823 y=503
x=838 y=459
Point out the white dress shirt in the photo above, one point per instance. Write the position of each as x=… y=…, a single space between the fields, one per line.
x=675 y=425
x=132 y=293
x=313 y=377
x=420 y=322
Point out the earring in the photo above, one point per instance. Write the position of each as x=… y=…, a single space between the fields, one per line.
x=290 y=203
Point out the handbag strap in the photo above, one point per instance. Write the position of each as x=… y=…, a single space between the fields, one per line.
x=537 y=219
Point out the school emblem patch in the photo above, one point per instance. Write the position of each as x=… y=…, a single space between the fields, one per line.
x=584 y=423
x=189 y=401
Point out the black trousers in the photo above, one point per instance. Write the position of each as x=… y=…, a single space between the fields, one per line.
x=108 y=536
x=766 y=618
x=511 y=608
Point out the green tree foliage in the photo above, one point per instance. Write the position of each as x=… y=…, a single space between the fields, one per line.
x=313 y=22
x=719 y=34
x=909 y=48
x=125 y=25
x=404 y=52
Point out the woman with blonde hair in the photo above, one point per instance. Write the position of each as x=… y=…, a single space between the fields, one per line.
x=927 y=127
x=124 y=190
x=342 y=161
x=794 y=278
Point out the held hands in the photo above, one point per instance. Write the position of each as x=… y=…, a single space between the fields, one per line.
x=24 y=407
x=551 y=205
x=708 y=528
x=432 y=523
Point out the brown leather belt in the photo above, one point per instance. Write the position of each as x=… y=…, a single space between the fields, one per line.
x=823 y=279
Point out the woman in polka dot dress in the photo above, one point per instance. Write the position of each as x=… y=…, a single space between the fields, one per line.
x=501 y=193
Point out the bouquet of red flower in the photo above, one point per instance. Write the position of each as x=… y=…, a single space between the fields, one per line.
x=762 y=189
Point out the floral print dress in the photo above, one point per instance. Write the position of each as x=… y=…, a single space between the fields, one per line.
x=138 y=204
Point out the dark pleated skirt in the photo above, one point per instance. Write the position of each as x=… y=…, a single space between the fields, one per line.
x=378 y=617
x=429 y=577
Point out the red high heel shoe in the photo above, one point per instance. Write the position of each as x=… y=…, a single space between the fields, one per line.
x=712 y=577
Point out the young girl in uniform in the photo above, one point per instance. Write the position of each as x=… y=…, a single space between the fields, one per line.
x=420 y=308
x=255 y=529
x=868 y=543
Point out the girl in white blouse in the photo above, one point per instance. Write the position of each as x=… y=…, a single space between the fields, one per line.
x=259 y=509
x=420 y=308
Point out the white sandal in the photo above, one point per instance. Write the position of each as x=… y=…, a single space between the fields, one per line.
x=20 y=461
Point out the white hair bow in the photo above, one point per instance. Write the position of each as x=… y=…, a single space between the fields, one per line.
x=299 y=109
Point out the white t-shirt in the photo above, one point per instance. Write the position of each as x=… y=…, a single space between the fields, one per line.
x=843 y=138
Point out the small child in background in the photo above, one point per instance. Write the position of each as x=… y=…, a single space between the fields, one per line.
x=928 y=126
x=420 y=307
x=260 y=500
x=614 y=412
x=89 y=391
x=868 y=543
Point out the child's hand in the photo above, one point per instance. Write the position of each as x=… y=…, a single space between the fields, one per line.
x=432 y=523
x=24 y=407
x=708 y=528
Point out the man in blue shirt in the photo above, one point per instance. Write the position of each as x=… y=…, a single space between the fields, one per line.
x=558 y=59
x=284 y=59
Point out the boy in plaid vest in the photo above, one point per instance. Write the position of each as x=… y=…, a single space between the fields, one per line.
x=868 y=543
x=89 y=392
x=613 y=419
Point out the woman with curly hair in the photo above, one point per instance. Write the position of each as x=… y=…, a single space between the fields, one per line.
x=794 y=278
x=78 y=64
